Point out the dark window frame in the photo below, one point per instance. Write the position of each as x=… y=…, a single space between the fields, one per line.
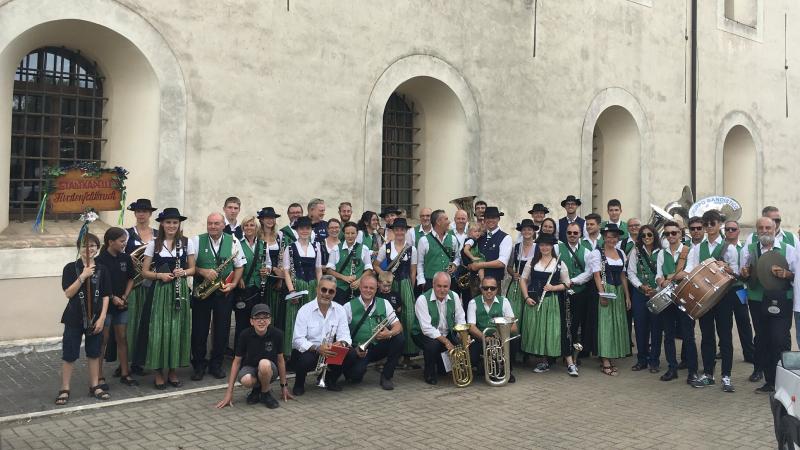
x=399 y=169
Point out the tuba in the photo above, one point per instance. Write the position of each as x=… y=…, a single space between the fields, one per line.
x=459 y=357
x=497 y=351
x=467 y=204
x=728 y=207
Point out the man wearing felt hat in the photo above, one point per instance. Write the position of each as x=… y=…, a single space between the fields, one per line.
x=388 y=214
x=570 y=204
x=538 y=212
x=495 y=246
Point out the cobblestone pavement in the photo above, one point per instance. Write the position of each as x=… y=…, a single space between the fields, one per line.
x=550 y=410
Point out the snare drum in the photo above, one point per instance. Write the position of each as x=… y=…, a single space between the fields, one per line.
x=662 y=299
x=702 y=289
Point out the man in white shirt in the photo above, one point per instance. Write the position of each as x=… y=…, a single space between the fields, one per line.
x=495 y=246
x=366 y=314
x=459 y=227
x=437 y=311
x=213 y=249
x=231 y=208
x=720 y=318
x=413 y=235
x=480 y=311
x=780 y=235
x=319 y=324
x=438 y=251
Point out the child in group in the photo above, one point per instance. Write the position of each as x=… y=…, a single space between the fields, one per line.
x=471 y=250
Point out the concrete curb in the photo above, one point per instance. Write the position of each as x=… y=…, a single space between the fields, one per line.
x=24 y=346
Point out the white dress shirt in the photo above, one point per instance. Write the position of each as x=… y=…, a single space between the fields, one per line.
x=505 y=246
x=594 y=261
x=584 y=276
x=660 y=259
x=422 y=250
x=308 y=252
x=592 y=242
x=239 y=261
x=150 y=250
x=389 y=309
x=472 y=308
x=411 y=234
x=311 y=327
x=365 y=256
x=731 y=255
x=549 y=268
x=424 y=317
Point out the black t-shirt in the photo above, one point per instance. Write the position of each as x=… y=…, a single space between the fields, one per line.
x=120 y=268
x=100 y=282
x=253 y=348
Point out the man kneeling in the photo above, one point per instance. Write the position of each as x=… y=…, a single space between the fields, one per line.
x=258 y=361
x=365 y=315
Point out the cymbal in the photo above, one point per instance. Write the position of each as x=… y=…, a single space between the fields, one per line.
x=764 y=270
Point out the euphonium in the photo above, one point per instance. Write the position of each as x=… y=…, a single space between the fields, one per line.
x=459 y=357
x=208 y=287
x=497 y=351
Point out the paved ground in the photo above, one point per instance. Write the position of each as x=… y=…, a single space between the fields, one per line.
x=551 y=410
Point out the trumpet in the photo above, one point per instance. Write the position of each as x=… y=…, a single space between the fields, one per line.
x=497 y=351
x=382 y=325
x=322 y=365
x=208 y=287
x=459 y=357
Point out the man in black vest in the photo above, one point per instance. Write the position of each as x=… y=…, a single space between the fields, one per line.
x=231 y=208
x=570 y=204
x=316 y=210
x=495 y=246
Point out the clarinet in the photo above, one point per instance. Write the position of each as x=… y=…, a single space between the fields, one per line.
x=177 y=281
x=263 y=264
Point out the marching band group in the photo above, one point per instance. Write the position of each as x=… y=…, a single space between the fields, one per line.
x=332 y=296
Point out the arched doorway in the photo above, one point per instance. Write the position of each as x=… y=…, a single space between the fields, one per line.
x=616 y=161
x=739 y=177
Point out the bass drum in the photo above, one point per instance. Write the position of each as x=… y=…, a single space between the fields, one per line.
x=703 y=288
x=662 y=299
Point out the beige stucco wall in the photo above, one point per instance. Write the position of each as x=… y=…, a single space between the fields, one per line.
x=277 y=106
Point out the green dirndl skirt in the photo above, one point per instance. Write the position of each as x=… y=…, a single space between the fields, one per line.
x=170 y=337
x=291 y=311
x=613 y=340
x=541 y=328
x=517 y=299
x=273 y=298
x=407 y=315
x=137 y=302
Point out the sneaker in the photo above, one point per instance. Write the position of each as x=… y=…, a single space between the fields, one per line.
x=703 y=381
x=726 y=384
x=691 y=378
x=542 y=367
x=254 y=396
x=572 y=370
x=268 y=400
x=765 y=389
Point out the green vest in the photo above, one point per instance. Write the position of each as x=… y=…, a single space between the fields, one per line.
x=482 y=317
x=670 y=265
x=716 y=254
x=205 y=255
x=253 y=257
x=788 y=238
x=368 y=327
x=436 y=260
x=288 y=236
x=738 y=284
x=588 y=245
x=643 y=270
x=433 y=310
x=755 y=291
x=419 y=234
x=572 y=265
x=345 y=270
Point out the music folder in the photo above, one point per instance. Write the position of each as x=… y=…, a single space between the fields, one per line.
x=338 y=358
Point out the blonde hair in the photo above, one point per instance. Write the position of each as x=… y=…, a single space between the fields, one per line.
x=474 y=226
x=249 y=219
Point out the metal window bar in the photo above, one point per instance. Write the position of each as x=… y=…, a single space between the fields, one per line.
x=57 y=120
x=399 y=172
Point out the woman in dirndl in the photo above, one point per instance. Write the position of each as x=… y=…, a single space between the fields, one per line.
x=545 y=280
x=168 y=261
x=607 y=264
x=273 y=240
x=302 y=270
x=521 y=253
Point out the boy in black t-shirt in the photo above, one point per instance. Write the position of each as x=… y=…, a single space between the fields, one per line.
x=77 y=324
x=259 y=361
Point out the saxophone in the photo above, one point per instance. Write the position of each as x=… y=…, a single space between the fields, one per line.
x=208 y=287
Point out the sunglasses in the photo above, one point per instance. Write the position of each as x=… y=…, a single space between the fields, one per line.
x=573 y=233
x=489 y=288
x=323 y=290
x=644 y=235
x=672 y=233
x=777 y=221
x=710 y=223
x=731 y=230
x=696 y=228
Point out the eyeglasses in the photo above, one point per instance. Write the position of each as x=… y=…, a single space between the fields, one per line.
x=672 y=233
x=635 y=225
x=644 y=235
x=261 y=318
x=573 y=233
x=489 y=288
x=323 y=290
x=696 y=228
x=731 y=230
x=710 y=223
x=777 y=221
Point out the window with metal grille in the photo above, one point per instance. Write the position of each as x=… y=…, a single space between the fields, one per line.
x=399 y=173
x=57 y=121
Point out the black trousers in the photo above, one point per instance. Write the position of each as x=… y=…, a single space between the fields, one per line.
x=578 y=307
x=755 y=315
x=218 y=306
x=354 y=367
x=774 y=337
x=744 y=329
x=304 y=362
x=671 y=320
x=719 y=319
x=432 y=353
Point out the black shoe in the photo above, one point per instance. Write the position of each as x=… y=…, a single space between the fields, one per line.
x=431 y=380
x=160 y=387
x=766 y=389
x=137 y=370
x=197 y=375
x=682 y=365
x=254 y=396
x=669 y=375
x=386 y=384
x=268 y=400
x=638 y=366
x=756 y=376
x=333 y=387
x=217 y=373
x=511 y=379
x=298 y=389
x=655 y=370
x=691 y=379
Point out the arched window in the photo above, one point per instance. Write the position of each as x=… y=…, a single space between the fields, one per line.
x=399 y=159
x=57 y=121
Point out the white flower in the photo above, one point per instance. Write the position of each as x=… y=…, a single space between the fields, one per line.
x=89 y=216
